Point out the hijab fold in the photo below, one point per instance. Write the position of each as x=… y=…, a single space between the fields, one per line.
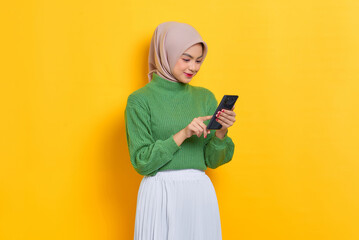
x=169 y=41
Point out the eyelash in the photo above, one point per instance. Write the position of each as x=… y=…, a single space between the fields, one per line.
x=186 y=60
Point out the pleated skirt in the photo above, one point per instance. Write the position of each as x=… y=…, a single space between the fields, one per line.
x=177 y=205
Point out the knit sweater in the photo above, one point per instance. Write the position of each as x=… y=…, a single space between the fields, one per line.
x=160 y=109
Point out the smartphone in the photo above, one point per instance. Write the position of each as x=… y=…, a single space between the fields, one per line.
x=227 y=102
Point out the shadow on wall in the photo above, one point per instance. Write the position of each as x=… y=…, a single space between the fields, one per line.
x=121 y=182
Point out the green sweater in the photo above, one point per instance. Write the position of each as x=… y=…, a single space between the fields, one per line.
x=160 y=109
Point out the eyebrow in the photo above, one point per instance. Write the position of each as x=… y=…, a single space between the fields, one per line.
x=190 y=55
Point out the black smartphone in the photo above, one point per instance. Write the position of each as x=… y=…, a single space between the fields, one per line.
x=227 y=102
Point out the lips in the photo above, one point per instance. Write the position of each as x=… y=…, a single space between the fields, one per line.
x=188 y=75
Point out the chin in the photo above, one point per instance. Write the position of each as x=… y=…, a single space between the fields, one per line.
x=185 y=80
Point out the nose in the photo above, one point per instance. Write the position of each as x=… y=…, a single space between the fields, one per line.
x=192 y=67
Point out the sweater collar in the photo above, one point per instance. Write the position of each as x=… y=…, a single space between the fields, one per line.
x=166 y=84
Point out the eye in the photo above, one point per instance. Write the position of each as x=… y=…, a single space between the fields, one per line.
x=187 y=60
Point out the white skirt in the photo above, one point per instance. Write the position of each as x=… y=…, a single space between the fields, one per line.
x=177 y=205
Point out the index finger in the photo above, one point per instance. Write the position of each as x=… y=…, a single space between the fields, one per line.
x=205 y=118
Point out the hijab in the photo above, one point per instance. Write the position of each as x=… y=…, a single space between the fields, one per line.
x=168 y=43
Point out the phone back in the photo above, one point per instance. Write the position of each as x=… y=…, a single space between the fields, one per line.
x=227 y=102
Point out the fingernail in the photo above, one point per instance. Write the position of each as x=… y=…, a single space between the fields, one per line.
x=222 y=110
x=217 y=119
x=205 y=137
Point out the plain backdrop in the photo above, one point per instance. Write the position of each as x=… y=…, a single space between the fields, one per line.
x=67 y=68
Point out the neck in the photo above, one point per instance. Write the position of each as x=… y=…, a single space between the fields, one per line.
x=166 y=84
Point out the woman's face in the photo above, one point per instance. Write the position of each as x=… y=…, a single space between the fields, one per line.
x=189 y=62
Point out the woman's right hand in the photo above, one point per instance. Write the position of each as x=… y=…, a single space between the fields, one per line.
x=197 y=127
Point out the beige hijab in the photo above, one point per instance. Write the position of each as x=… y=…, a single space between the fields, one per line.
x=169 y=41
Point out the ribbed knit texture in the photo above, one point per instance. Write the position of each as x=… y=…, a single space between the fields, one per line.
x=160 y=109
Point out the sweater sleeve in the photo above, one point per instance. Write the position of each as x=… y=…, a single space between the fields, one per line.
x=147 y=155
x=217 y=151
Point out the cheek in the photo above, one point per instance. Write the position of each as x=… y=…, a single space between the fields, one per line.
x=183 y=64
x=180 y=67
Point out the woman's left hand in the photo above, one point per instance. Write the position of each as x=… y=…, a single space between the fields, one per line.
x=226 y=118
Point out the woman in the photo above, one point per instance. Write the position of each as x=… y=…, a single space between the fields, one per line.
x=165 y=121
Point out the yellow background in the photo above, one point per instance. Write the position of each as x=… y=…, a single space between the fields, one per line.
x=67 y=68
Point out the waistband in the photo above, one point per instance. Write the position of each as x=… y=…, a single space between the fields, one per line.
x=181 y=174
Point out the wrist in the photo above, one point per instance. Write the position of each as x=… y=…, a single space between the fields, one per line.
x=180 y=137
x=183 y=133
x=221 y=133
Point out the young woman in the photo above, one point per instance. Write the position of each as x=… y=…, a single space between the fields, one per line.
x=170 y=145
